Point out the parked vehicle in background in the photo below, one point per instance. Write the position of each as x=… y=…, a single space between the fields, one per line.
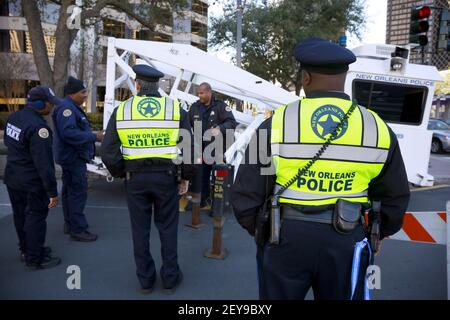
x=441 y=135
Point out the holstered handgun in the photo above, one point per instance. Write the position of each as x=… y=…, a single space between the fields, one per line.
x=374 y=225
x=275 y=223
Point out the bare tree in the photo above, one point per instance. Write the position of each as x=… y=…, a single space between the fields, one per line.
x=149 y=13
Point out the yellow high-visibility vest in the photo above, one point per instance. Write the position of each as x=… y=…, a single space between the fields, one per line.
x=148 y=127
x=345 y=170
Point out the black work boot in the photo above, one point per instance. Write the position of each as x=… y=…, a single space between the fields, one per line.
x=84 y=236
x=46 y=251
x=45 y=263
x=172 y=290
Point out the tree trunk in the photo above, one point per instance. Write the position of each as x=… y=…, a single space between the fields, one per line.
x=33 y=18
x=64 y=39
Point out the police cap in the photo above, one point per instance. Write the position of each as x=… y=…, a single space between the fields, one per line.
x=322 y=56
x=42 y=93
x=147 y=73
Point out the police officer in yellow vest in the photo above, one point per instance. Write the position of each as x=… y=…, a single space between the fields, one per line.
x=140 y=144
x=362 y=163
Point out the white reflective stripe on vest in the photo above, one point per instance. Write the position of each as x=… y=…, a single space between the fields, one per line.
x=143 y=124
x=127 y=109
x=169 y=109
x=292 y=123
x=143 y=151
x=333 y=152
x=289 y=193
x=370 y=134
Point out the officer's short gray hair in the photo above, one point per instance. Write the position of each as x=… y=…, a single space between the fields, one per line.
x=147 y=86
x=205 y=85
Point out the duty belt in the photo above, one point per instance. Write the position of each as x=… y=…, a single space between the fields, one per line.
x=290 y=213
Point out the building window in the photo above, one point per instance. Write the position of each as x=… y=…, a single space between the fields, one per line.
x=199 y=29
x=10 y=8
x=149 y=35
x=17 y=41
x=112 y=28
x=50 y=42
x=200 y=46
x=200 y=7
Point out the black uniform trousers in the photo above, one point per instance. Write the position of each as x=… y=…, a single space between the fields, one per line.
x=154 y=193
x=309 y=255
x=201 y=183
x=74 y=195
x=30 y=210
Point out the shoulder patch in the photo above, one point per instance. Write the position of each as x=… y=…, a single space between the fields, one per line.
x=43 y=133
x=228 y=109
x=67 y=113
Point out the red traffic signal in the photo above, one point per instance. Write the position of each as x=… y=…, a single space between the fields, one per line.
x=422 y=12
x=419 y=25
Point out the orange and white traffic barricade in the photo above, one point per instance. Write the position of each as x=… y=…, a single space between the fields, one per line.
x=423 y=227
x=430 y=227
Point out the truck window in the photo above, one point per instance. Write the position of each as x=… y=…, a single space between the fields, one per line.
x=394 y=103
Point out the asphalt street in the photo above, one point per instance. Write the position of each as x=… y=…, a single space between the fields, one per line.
x=408 y=270
x=440 y=167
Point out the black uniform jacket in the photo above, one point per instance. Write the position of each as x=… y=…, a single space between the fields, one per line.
x=391 y=186
x=219 y=115
x=30 y=165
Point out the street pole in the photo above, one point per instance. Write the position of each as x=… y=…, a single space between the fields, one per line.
x=239 y=35
x=239 y=43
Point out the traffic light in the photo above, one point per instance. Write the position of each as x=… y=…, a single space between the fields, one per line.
x=419 y=25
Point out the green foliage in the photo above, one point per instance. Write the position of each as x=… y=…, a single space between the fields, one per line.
x=96 y=121
x=271 y=32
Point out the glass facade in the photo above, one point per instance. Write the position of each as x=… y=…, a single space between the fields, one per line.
x=18 y=41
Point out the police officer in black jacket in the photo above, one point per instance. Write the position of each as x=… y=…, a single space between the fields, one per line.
x=216 y=116
x=151 y=172
x=312 y=252
x=30 y=176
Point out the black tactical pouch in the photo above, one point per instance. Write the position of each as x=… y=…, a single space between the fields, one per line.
x=346 y=216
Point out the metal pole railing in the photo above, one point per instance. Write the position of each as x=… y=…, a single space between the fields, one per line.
x=223 y=174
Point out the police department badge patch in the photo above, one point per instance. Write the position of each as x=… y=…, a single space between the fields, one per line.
x=325 y=120
x=67 y=113
x=43 y=133
x=149 y=107
x=228 y=109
